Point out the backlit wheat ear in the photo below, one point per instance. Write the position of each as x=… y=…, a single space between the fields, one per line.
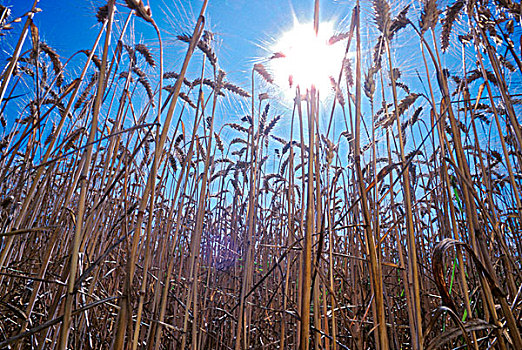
x=103 y=13
x=131 y=52
x=174 y=75
x=55 y=59
x=183 y=96
x=338 y=37
x=236 y=89
x=262 y=119
x=261 y=70
x=83 y=97
x=403 y=86
x=430 y=15
x=400 y=22
x=338 y=92
x=219 y=143
x=451 y=14
x=148 y=88
x=381 y=9
x=414 y=118
x=144 y=50
x=204 y=46
x=271 y=124
x=369 y=82
x=238 y=127
x=347 y=69
x=406 y=103
x=141 y=9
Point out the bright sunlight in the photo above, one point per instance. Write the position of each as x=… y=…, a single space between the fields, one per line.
x=303 y=58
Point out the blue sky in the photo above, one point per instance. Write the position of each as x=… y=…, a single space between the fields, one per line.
x=243 y=27
x=244 y=30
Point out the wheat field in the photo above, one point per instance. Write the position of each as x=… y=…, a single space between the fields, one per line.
x=135 y=213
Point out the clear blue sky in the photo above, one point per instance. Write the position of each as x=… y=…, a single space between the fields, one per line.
x=243 y=27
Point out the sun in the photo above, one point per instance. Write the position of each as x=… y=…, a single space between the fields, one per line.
x=305 y=59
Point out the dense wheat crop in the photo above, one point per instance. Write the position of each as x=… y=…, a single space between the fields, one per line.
x=381 y=212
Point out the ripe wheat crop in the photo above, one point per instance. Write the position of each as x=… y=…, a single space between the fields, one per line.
x=136 y=213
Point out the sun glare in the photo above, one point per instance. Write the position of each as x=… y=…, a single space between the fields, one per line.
x=303 y=59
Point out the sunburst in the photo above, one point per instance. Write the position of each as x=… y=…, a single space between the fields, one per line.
x=305 y=58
